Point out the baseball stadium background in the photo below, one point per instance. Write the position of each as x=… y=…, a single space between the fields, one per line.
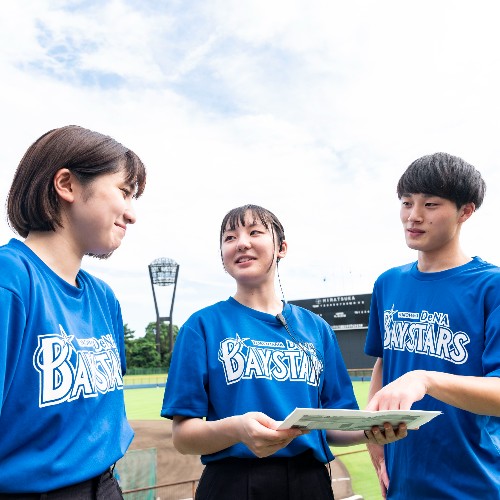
x=153 y=470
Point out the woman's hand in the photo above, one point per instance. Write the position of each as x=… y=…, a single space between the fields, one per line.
x=257 y=432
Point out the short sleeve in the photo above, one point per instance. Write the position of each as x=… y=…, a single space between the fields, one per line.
x=12 y=326
x=186 y=390
x=491 y=359
x=337 y=389
x=373 y=344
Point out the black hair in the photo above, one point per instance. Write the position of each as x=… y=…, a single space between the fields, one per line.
x=236 y=217
x=446 y=176
x=32 y=202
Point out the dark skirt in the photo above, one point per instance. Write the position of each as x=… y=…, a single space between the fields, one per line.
x=297 y=478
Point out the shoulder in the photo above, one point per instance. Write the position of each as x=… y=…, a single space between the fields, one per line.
x=13 y=253
x=394 y=276
x=307 y=317
x=477 y=274
x=98 y=290
x=15 y=266
x=301 y=312
x=96 y=283
x=208 y=313
x=483 y=275
x=478 y=265
x=397 y=271
x=305 y=320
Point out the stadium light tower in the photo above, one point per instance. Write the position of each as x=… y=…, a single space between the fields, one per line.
x=163 y=272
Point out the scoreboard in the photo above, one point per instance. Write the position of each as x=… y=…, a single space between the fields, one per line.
x=348 y=316
x=344 y=312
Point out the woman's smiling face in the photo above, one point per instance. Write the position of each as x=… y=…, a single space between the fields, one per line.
x=249 y=251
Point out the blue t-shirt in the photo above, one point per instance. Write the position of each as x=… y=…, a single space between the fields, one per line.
x=62 y=360
x=449 y=322
x=230 y=359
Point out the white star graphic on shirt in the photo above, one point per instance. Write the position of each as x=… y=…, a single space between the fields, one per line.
x=241 y=341
x=67 y=339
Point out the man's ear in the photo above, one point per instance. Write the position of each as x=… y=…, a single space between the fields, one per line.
x=466 y=211
x=63 y=184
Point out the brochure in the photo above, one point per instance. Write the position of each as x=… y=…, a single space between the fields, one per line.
x=352 y=420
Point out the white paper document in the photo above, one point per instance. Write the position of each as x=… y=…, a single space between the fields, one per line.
x=352 y=420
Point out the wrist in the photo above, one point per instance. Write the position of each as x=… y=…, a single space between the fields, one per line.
x=425 y=377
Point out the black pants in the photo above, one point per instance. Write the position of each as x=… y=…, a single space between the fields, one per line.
x=298 y=478
x=103 y=487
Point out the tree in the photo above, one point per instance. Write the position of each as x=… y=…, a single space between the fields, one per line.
x=141 y=351
x=165 y=353
x=143 y=354
x=129 y=338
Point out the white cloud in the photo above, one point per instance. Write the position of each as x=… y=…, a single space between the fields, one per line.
x=312 y=110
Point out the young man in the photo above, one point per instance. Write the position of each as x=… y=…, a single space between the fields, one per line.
x=435 y=329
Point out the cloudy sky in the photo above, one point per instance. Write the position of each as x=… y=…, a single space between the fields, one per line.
x=312 y=109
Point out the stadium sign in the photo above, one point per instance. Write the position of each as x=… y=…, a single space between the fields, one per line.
x=343 y=312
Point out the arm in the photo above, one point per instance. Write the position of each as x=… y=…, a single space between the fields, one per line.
x=255 y=430
x=347 y=438
x=12 y=326
x=375 y=450
x=375 y=436
x=479 y=395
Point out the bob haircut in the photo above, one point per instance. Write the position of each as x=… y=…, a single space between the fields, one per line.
x=446 y=176
x=32 y=202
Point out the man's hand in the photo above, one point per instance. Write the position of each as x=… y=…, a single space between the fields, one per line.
x=388 y=435
x=401 y=393
x=377 y=456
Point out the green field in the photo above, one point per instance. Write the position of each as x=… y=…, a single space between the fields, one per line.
x=145 y=404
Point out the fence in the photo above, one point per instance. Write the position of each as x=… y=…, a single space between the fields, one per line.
x=183 y=490
x=144 y=488
x=143 y=380
x=362 y=374
x=145 y=371
x=136 y=470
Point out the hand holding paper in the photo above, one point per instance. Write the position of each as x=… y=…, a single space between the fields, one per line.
x=351 y=420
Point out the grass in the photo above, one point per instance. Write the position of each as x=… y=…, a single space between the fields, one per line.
x=145 y=404
x=363 y=476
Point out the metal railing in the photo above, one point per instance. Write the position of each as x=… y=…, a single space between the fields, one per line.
x=181 y=490
x=362 y=374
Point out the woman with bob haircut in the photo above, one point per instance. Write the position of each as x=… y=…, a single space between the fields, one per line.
x=62 y=358
x=240 y=366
